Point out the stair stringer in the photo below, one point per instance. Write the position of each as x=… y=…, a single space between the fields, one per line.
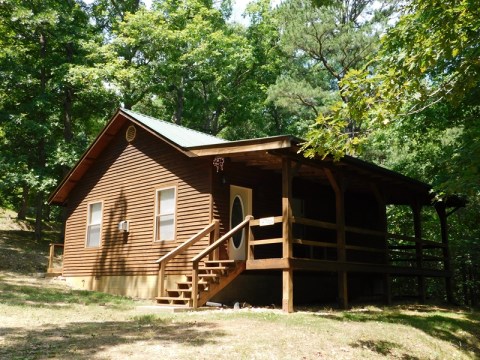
x=215 y=287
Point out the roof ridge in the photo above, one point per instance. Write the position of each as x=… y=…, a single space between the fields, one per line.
x=172 y=123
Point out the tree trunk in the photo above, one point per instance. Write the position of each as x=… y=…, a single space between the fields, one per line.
x=180 y=104
x=464 y=282
x=39 y=216
x=475 y=286
x=41 y=160
x=471 y=285
x=68 y=102
x=22 y=211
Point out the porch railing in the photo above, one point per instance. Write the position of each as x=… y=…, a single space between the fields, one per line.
x=391 y=252
x=212 y=230
x=51 y=269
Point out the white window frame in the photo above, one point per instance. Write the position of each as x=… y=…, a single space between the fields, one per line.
x=87 y=233
x=157 y=215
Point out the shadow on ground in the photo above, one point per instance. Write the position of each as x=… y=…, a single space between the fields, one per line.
x=85 y=339
x=460 y=328
x=384 y=348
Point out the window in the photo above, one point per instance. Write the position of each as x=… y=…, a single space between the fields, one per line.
x=94 y=224
x=165 y=214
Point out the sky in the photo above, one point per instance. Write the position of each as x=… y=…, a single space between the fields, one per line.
x=238 y=9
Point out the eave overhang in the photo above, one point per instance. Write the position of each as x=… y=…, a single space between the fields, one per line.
x=243 y=146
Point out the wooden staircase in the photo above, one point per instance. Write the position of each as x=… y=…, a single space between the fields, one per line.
x=209 y=274
x=213 y=276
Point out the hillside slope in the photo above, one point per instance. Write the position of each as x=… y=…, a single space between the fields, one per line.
x=20 y=252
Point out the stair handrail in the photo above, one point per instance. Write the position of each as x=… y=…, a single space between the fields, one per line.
x=163 y=261
x=212 y=247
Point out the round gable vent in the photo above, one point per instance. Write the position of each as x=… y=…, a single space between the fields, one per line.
x=131 y=133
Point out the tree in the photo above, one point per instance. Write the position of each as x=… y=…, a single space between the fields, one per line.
x=419 y=98
x=42 y=43
x=250 y=113
x=107 y=14
x=323 y=42
x=429 y=56
x=179 y=61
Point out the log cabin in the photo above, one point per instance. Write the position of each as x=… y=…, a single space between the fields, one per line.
x=156 y=210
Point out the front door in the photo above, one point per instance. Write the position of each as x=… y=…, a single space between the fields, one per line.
x=240 y=206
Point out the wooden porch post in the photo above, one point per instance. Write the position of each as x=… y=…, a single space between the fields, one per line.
x=287 y=275
x=441 y=211
x=214 y=236
x=51 y=257
x=382 y=214
x=417 y=225
x=339 y=189
x=161 y=280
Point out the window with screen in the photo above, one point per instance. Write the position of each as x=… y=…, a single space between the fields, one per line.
x=94 y=224
x=165 y=214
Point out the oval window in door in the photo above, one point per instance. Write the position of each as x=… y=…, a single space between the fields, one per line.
x=236 y=218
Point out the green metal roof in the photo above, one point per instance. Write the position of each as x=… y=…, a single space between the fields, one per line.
x=177 y=134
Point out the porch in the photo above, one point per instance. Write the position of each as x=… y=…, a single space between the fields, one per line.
x=341 y=239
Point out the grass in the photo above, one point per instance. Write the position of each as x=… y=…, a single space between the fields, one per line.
x=21 y=253
x=42 y=318
x=454 y=326
x=62 y=323
x=24 y=292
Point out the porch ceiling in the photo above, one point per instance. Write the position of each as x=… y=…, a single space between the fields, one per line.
x=359 y=177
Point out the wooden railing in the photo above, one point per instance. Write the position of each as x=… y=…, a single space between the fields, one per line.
x=407 y=253
x=51 y=269
x=214 y=228
x=244 y=225
x=252 y=242
x=391 y=250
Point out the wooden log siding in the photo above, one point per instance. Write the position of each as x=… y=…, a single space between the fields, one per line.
x=125 y=177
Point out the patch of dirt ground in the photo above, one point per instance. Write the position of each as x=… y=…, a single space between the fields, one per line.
x=42 y=318
x=55 y=327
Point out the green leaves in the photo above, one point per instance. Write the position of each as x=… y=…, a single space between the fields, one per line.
x=323 y=45
x=44 y=95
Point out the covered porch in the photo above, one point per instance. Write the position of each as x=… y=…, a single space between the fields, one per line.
x=311 y=216
x=332 y=218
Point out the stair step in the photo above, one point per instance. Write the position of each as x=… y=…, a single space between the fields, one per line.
x=205 y=279
x=179 y=290
x=171 y=300
x=213 y=276
x=214 y=268
x=189 y=283
x=202 y=285
x=213 y=262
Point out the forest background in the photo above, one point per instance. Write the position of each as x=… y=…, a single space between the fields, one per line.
x=390 y=81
